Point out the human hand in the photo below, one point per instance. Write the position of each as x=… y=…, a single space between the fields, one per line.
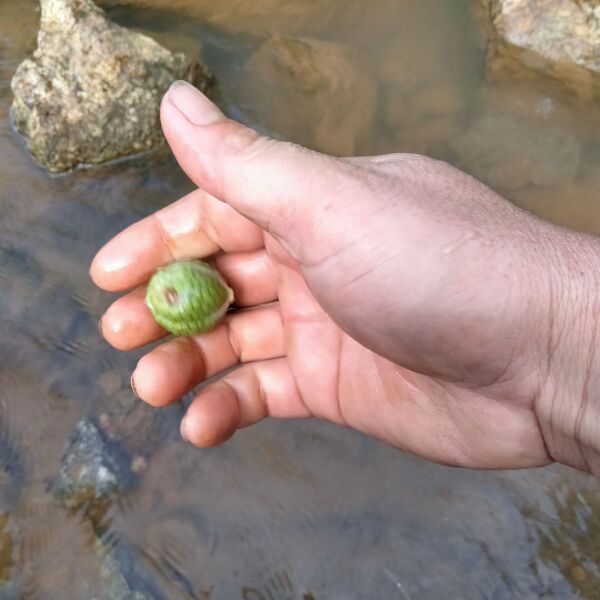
x=395 y=295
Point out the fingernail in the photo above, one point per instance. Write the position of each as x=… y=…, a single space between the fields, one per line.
x=193 y=104
x=100 y=326
x=183 y=429
x=132 y=383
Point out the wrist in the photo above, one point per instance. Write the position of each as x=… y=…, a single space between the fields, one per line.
x=568 y=406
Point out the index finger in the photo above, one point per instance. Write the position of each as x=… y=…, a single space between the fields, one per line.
x=195 y=226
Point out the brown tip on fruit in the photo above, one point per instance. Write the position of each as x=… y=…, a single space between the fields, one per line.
x=172 y=296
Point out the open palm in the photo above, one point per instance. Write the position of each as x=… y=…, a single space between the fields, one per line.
x=379 y=294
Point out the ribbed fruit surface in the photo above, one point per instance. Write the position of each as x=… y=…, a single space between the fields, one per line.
x=188 y=297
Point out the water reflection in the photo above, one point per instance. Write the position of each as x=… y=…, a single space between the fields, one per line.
x=296 y=510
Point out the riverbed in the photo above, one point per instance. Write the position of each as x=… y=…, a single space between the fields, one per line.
x=286 y=510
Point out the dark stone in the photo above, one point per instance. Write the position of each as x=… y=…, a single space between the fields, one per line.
x=123 y=576
x=92 y=473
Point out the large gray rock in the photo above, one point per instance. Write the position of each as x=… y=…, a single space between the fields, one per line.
x=320 y=93
x=91 y=92
x=558 y=38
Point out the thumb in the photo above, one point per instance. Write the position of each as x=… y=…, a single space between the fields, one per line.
x=282 y=187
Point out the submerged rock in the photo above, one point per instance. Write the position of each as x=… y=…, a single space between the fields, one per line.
x=122 y=576
x=558 y=38
x=320 y=95
x=92 y=472
x=91 y=91
x=510 y=153
x=422 y=120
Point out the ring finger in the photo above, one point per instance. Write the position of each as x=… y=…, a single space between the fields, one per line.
x=174 y=368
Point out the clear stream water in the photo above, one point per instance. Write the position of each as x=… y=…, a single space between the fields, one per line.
x=299 y=510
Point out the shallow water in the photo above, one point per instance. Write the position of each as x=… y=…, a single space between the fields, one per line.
x=297 y=510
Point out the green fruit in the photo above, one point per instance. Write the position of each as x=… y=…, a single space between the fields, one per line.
x=188 y=297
